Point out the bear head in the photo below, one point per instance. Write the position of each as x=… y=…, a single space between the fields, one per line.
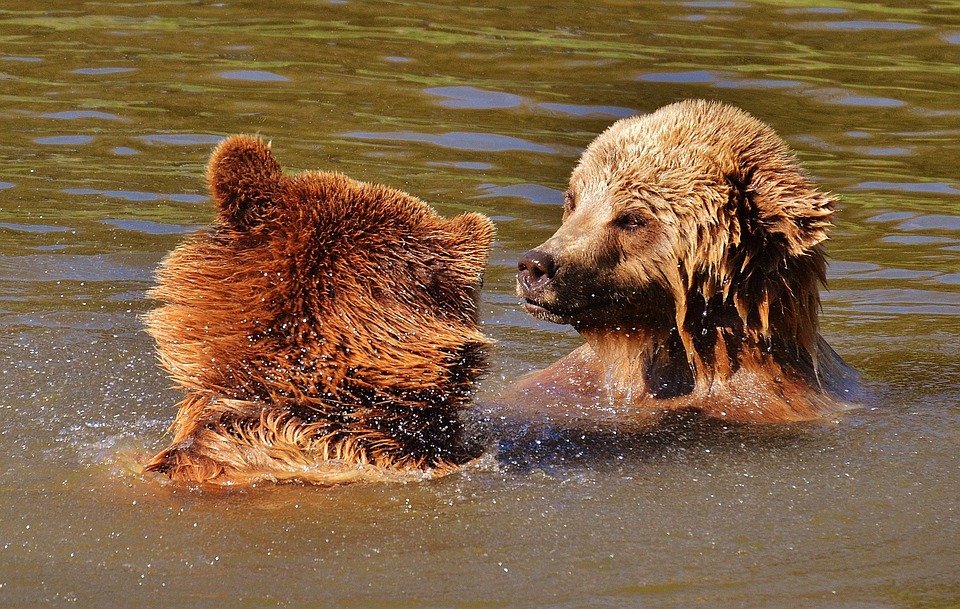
x=694 y=220
x=345 y=305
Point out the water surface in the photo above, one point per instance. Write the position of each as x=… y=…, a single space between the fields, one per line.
x=108 y=112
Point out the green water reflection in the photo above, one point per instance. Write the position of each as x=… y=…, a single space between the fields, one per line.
x=107 y=114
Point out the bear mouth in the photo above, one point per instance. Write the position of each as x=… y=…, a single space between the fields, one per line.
x=541 y=311
x=602 y=311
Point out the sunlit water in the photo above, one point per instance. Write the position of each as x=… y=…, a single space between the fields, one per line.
x=108 y=112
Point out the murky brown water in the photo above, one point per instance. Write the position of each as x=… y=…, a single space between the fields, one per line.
x=107 y=115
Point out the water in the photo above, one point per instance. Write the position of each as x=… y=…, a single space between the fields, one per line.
x=108 y=112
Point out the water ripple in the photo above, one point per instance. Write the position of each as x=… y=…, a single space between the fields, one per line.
x=135 y=195
x=255 y=75
x=64 y=140
x=875 y=151
x=685 y=77
x=723 y=80
x=81 y=114
x=720 y=80
x=458 y=140
x=473 y=98
x=848 y=270
x=34 y=228
x=890 y=216
x=103 y=71
x=182 y=139
x=817 y=10
x=151 y=228
x=916 y=239
x=21 y=59
x=535 y=193
x=585 y=110
x=843 y=97
x=883 y=151
x=862 y=25
x=931 y=222
x=475 y=165
x=940 y=188
x=714 y=4
x=65 y=267
x=894 y=301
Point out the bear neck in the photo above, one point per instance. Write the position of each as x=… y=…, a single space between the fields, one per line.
x=641 y=360
x=710 y=355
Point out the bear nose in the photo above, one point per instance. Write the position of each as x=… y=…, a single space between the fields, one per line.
x=536 y=269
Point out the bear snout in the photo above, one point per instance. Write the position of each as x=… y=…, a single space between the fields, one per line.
x=535 y=270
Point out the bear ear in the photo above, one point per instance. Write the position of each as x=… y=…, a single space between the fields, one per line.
x=782 y=208
x=471 y=235
x=244 y=180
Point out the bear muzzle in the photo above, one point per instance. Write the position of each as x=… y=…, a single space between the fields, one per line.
x=536 y=271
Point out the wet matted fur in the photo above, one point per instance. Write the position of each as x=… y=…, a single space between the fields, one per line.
x=690 y=259
x=323 y=329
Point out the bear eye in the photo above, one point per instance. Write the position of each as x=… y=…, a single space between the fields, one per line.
x=630 y=221
x=569 y=201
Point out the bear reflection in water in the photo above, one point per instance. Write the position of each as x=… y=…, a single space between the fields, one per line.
x=326 y=330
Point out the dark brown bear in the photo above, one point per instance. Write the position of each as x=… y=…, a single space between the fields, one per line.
x=690 y=259
x=323 y=329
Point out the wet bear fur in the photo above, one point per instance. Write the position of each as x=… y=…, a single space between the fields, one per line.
x=323 y=329
x=690 y=258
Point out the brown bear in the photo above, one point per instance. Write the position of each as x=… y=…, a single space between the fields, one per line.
x=690 y=259
x=323 y=329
